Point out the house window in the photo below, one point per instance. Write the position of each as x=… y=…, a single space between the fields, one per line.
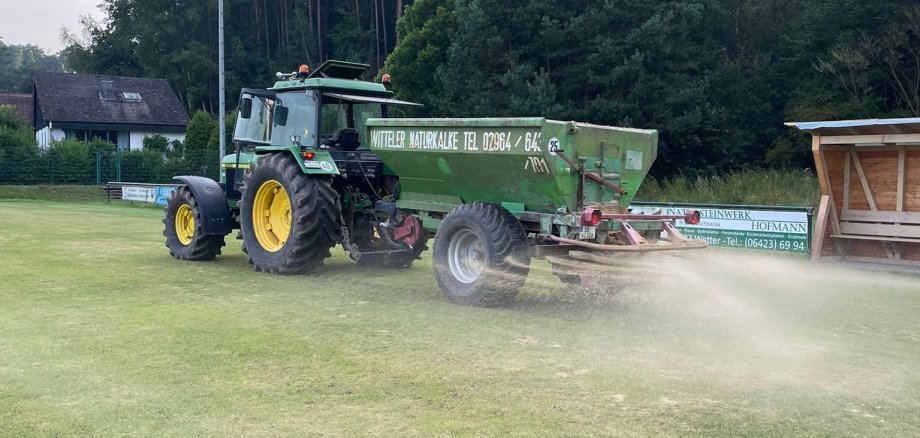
x=131 y=96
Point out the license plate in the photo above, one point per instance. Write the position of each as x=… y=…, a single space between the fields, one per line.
x=312 y=164
x=587 y=232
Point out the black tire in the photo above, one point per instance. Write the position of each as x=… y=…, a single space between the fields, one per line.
x=500 y=247
x=396 y=260
x=200 y=246
x=313 y=224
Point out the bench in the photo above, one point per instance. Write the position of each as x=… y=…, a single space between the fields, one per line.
x=112 y=192
x=880 y=226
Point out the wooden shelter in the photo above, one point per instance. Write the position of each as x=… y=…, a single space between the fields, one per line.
x=869 y=172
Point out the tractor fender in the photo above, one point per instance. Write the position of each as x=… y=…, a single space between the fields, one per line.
x=322 y=164
x=212 y=204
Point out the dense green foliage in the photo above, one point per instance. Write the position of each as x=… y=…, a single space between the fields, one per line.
x=18 y=62
x=747 y=187
x=716 y=77
x=18 y=154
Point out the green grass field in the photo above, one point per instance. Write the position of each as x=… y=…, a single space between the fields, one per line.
x=103 y=334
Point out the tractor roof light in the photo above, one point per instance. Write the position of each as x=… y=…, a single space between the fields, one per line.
x=385 y=79
x=304 y=70
x=692 y=217
x=591 y=217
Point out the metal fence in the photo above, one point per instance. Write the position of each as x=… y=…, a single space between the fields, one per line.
x=68 y=166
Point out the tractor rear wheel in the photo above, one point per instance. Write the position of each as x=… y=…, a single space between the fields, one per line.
x=182 y=229
x=481 y=257
x=288 y=218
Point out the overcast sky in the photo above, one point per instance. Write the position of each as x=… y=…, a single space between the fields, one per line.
x=39 y=22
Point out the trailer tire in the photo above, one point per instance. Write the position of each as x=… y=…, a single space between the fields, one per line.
x=297 y=222
x=481 y=256
x=182 y=228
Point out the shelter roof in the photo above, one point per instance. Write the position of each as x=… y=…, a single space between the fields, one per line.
x=860 y=127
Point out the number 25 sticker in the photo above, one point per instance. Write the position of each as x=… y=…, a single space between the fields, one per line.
x=554 y=146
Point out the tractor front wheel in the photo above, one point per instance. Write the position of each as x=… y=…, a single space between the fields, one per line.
x=481 y=257
x=182 y=229
x=288 y=218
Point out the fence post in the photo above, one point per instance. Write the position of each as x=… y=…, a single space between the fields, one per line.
x=118 y=165
x=98 y=167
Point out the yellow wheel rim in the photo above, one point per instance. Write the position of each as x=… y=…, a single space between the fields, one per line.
x=271 y=216
x=185 y=224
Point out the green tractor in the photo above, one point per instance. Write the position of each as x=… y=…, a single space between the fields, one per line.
x=318 y=162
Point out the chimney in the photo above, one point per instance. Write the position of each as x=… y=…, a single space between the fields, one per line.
x=108 y=90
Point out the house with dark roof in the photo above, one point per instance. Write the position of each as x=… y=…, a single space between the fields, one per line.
x=21 y=103
x=122 y=110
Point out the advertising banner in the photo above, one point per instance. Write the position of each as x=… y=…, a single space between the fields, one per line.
x=137 y=193
x=161 y=194
x=786 y=229
x=156 y=194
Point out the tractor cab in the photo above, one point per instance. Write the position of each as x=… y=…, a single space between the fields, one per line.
x=319 y=116
x=326 y=109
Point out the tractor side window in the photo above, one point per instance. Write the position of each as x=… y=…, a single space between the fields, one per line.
x=253 y=124
x=333 y=118
x=364 y=111
x=338 y=115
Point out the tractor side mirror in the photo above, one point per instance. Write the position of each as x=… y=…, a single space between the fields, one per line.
x=281 y=115
x=246 y=107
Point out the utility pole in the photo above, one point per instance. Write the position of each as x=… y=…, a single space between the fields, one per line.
x=222 y=114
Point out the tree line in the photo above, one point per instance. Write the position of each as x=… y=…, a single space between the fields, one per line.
x=717 y=78
x=19 y=61
x=177 y=40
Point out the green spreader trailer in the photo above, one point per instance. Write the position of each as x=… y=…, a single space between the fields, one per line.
x=319 y=163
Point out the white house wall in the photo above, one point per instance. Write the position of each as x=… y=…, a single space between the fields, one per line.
x=43 y=137
x=137 y=138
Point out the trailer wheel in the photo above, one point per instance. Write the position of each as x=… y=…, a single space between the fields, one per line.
x=481 y=257
x=182 y=229
x=288 y=219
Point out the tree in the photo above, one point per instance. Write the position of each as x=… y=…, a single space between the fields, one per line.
x=156 y=142
x=423 y=39
x=200 y=156
x=18 y=62
x=18 y=150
